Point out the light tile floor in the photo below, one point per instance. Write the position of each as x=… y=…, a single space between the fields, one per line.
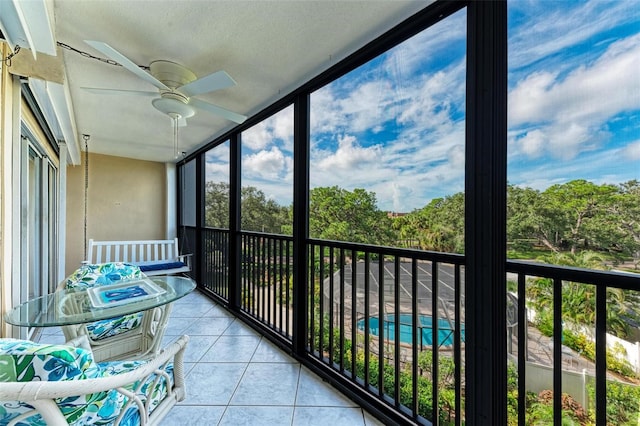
x=237 y=377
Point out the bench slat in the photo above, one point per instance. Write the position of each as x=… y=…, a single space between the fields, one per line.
x=139 y=252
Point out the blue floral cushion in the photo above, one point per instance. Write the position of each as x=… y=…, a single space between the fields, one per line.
x=107 y=273
x=103 y=273
x=155 y=386
x=25 y=361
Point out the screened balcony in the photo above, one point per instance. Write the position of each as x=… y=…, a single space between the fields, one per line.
x=414 y=336
x=505 y=95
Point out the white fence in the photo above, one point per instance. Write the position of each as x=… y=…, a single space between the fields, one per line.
x=626 y=350
x=540 y=377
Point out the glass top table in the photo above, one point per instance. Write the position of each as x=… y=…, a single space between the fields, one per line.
x=78 y=306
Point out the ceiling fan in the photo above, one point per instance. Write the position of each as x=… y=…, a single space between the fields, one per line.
x=177 y=86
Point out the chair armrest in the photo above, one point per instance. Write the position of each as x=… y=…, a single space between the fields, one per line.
x=42 y=390
x=81 y=341
x=186 y=259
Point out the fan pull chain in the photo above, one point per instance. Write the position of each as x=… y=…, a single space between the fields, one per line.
x=86 y=186
x=175 y=135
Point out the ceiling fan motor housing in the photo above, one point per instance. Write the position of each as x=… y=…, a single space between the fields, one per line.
x=171 y=74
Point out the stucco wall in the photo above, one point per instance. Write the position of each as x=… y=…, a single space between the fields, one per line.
x=126 y=201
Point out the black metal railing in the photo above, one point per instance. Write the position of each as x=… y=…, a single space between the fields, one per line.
x=391 y=321
x=267 y=280
x=388 y=323
x=593 y=286
x=215 y=260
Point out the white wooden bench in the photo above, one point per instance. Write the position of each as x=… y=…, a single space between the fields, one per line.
x=153 y=257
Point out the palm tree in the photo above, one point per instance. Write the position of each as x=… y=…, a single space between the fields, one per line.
x=578 y=299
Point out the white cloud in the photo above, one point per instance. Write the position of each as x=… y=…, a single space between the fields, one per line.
x=349 y=156
x=572 y=113
x=257 y=137
x=428 y=47
x=217 y=172
x=631 y=152
x=277 y=129
x=551 y=30
x=533 y=143
x=270 y=164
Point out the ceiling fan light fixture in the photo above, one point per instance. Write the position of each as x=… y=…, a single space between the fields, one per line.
x=173 y=107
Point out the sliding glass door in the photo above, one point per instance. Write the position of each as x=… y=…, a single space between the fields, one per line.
x=38 y=224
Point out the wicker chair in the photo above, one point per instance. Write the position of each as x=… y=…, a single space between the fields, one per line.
x=134 y=336
x=62 y=384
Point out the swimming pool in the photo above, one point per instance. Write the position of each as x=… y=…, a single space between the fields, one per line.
x=445 y=330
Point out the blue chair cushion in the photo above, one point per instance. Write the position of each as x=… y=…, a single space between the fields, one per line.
x=158 y=266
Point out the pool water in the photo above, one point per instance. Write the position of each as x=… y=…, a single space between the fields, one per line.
x=445 y=330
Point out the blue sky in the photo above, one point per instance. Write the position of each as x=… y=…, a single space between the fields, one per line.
x=395 y=126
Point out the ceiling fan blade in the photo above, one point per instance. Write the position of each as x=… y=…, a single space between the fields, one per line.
x=125 y=62
x=100 y=91
x=229 y=115
x=215 y=81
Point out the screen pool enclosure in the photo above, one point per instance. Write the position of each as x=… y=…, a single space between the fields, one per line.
x=424 y=329
x=386 y=294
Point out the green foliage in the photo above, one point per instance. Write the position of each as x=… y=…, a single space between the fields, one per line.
x=577 y=215
x=258 y=212
x=579 y=300
x=339 y=214
x=623 y=403
x=584 y=346
x=439 y=226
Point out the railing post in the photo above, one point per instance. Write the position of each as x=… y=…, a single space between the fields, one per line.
x=200 y=215
x=485 y=213
x=301 y=112
x=235 y=226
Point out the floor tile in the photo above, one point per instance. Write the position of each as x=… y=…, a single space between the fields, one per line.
x=208 y=326
x=52 y=339
x=48 y=331
x=232 y=349
x=212 y=383
x=178 y=326
x=194 y=415
x=257 y=416
x=267 y=384
x=235 y=376
x=190 y=310
x=198 y=346
x=238 y=328
x=268 y=352
x=369 y=420
x=313 y=391
x=323 y=416
x=217 y=311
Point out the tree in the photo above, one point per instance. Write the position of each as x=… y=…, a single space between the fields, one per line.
x=258 y=212
x=526 y=222
x=261 y=214
x=438 y=226
x=216 y=200
x=628 y=212
x=339 y=214
x=577 y=215
x=577 y=209
x=579 y=300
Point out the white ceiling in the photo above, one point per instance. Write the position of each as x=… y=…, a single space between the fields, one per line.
x=268 y=47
